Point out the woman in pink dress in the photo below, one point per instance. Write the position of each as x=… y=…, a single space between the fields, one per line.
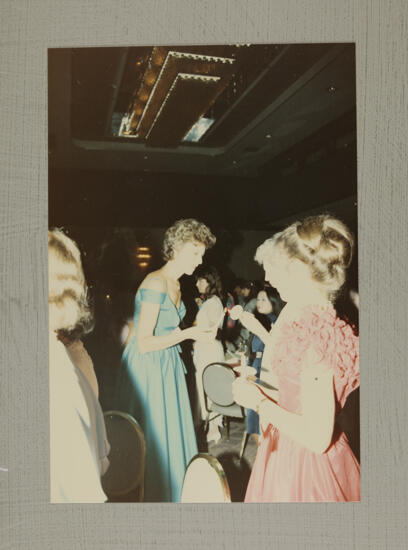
x=311 y=359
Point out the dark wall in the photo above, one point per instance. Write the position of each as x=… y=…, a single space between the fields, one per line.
x=290 y=185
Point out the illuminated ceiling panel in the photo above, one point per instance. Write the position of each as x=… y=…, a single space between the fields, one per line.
x=195 y=93
x=161 y=79
x=112 y=86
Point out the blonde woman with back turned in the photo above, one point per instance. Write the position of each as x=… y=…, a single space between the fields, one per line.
x=78 y=444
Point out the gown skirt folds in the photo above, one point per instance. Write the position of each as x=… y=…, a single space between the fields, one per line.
x=285 y=471
x=152 y=388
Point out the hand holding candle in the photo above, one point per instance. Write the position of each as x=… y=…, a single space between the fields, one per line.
x=248 y=320
x=236 y=312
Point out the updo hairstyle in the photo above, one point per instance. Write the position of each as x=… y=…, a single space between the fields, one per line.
x=184 y=231
x=67 y=290
x=322 y=242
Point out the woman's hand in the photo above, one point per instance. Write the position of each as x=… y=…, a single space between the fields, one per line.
x=246 y=393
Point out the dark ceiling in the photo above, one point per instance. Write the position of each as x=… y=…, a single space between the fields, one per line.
x=283 y=132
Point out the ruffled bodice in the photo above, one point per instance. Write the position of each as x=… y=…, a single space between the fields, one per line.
x=333 y=342
x=284 y=470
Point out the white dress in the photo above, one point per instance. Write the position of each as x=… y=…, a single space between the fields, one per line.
x=75 y=459
x=81 y=359
x=207 y=352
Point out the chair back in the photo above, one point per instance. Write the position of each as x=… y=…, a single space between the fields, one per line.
x=205 y=481
x=217 y=383
x=127 y=455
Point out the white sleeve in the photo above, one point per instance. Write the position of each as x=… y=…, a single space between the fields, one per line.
x=214 y=311
x=81 y=359
x=74 y=467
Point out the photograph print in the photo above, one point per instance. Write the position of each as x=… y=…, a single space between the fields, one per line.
x=203 y=274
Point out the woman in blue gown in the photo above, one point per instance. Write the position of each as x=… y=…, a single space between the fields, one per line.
x=267 y=310
x=151 y=384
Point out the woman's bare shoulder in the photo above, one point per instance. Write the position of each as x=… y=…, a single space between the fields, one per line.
x=154 y=281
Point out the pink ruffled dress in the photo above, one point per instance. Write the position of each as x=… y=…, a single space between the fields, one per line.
x=285 y=471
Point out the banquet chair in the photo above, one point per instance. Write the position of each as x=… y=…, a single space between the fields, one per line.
x=205 y=481
x=125 y=475
x=217 y=384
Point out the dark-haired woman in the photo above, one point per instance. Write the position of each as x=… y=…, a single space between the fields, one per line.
x=311 y=356
x=151 y=385
x=267 y=309
x=247 y=299
x=210 y=314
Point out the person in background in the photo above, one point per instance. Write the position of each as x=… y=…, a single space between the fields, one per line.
x=210 y=314
x=249 y=291
x=229 y=304
x=312 y=357
x=267 y=306
x=81 y=359
x=151 y=385
x=78 y=453
x=238 y=292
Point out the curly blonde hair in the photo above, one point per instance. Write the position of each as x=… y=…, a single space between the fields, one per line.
x=184 y=231
x=322 y=242
x=67 y=292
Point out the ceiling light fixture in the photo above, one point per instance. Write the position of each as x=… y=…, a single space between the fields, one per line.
x=174 y=75
x=198 y=129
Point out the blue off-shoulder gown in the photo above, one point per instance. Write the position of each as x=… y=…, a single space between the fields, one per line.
x=152 y=388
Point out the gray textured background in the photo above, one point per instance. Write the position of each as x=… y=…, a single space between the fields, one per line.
x=27 y=29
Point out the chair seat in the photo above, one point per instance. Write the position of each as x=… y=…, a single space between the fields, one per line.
x=235 y=411
x=205 y=481
x=127 y=455
x=217 y=383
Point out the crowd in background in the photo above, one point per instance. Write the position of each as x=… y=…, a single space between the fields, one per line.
x=180 y=321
